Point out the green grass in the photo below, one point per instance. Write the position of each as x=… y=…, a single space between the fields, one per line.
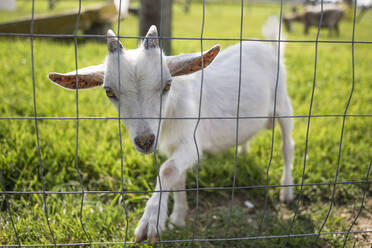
x=99 y=147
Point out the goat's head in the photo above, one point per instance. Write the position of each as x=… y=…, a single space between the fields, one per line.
x=137 y=82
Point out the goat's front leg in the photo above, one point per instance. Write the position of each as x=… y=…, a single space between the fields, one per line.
x=155 y=215
x=180 y=206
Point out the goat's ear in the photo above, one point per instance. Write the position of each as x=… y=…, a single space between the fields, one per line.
x=189 y=63
x=88 y=77
x=151 y=38
x=113 y=43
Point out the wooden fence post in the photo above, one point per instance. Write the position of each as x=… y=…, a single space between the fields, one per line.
x=150 y=14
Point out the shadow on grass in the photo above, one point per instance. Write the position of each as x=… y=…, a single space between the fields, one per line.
x=214 y=221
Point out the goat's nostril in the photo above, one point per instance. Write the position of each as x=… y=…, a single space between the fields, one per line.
x=145 y=142
x=151 y=139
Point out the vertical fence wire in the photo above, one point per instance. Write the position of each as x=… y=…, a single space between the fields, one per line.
x=9 y=209
x=342 y=128
x=361 y=206
x=259 y=230
x=122 y=194
x=160 y=42
x=77 y=128
x=196 y=216
x=308 y=126
x=237 y=110
x=41 y=170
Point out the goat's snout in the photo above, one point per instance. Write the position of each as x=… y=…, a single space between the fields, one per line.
x=145 y=142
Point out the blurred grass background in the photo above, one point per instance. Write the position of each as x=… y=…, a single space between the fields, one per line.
x=99 y=147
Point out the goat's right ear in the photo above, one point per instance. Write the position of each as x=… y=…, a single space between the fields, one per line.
x=88 y=77
x=188 y=63
x=113 y=43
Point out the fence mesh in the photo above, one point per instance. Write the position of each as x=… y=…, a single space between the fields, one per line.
x=193 y=238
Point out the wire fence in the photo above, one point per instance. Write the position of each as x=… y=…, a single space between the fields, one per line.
x=123 y=193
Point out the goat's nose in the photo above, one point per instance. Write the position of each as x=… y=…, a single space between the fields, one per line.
x=145 y=142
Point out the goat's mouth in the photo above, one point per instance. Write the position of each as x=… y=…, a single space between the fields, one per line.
x=143 y=151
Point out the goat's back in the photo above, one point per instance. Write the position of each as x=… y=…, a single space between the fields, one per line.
x=258 y=77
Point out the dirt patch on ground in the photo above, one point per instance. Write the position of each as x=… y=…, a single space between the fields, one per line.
x=363 y=223
x=213 y=210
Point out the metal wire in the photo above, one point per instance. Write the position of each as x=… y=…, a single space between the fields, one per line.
x=41 y=171
x=77 y=129
x=308 y=124
x=102 y=192
x=9 y=209
x=361 y=205
x=196 y=217
x=259 y=230
x=197 y=189
x=237 y=111
x=178 y=118
x=159 y=123
x=70 y=36
x=198 y=240
x=342 y=128
x=122 y=194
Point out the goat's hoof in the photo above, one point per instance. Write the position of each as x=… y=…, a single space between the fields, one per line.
x=173 y=224
x=152 y=240
x=177 y=220
x=149 y=230
x=286 y=195
x=141 y=237
x=140 y=234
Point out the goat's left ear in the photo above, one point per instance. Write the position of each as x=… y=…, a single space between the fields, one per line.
x=189 y=63
x=88 y=77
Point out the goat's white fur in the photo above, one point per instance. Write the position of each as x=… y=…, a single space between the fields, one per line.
x=219 y=98
x=140 y=75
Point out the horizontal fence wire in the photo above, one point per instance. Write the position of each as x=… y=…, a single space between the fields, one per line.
x=186 y=189
x=279 y=41
x=179 y=118
x=72 y=36
x=300 y=235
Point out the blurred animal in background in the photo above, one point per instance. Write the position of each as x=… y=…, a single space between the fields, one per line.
x=311 y=16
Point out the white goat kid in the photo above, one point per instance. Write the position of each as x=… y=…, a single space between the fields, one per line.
x=143 y=86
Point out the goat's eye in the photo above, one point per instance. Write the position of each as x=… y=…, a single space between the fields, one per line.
x=167 y=86
x=110 y=93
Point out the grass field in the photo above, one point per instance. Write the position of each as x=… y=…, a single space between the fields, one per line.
x=99 y=148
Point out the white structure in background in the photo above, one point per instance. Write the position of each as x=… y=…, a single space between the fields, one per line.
x=123 y=7
x=8 y=5
x=364 y=3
